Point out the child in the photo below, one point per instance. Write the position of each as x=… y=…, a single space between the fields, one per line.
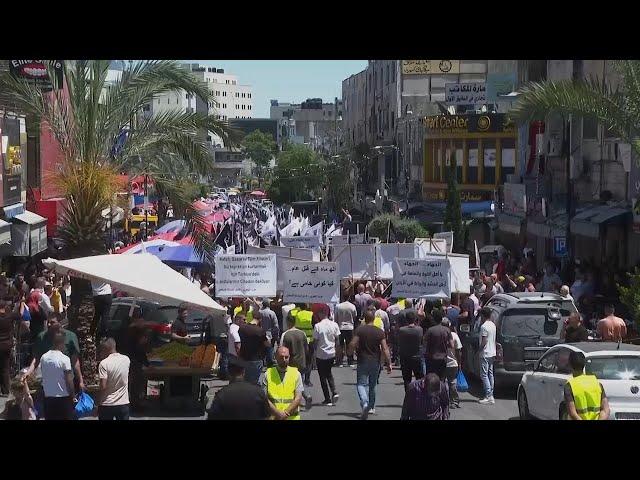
x=20 y=407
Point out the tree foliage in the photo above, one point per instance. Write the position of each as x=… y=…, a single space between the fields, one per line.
x=260 y=148
x=398 y=229
x=298 y=175
x=630 y=296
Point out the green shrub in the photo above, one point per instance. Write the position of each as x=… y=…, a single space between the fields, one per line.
x=398 y=229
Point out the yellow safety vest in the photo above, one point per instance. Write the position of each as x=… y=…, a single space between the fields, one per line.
x=587 y=396
x=248 y=318
x=402 y=304
x=281 y=392
x=303 y=322
x=377 y=322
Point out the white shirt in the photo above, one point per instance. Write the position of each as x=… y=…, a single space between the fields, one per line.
x=457 y=345
x=476 y=303
x=234 y=337
x=326 y=333
x=285 y=312
x=54 y=364
x=100 y=288
x=345 y=313
x=488 y=329
x=115 y=370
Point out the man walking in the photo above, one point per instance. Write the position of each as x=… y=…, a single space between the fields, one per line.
x=487 y=355
x=239 y=400
x=102 y=297
x=437 y=342
x=409 y=346
x=345 y=316
x=453 y=364
x=611 y=328
x=253 y=345
x=283 y=386
x=57 y=382
x=583 y=394
x=113 y=372
x=361 y=300
x=326 y=334
x=270 y=326
x=370 y=343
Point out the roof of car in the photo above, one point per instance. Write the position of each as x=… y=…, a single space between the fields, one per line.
x=590 y=347
x=542 y=296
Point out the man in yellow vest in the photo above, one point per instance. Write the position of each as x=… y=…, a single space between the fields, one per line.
x=304 y=322
x=247 y=308
x=583 y=394
x=283 y=386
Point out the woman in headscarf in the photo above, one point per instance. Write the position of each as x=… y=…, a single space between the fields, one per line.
x=426 y=399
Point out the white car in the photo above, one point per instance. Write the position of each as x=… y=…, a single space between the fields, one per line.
x=617 y=367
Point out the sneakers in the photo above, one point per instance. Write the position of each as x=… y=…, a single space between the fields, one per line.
x=365 y=412
x=372 y=411
x=335 y=398
x=327 y=403
x=487 y=401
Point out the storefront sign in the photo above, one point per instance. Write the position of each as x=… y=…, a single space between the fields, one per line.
x=465 y=93
x=36 y=71
x=515 y=199
x=416 y=278
x=474 y=123
x=465 y=195
x=560 y=247
x=430 y=67
x=310 y=282
x=500 y=84
x=246 y=275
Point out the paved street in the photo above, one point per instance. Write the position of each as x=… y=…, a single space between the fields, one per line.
x=390 y=395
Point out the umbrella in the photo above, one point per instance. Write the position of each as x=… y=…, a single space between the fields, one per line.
x=200 y=205
x=258 y=193
x=215 y=217
x=160 y=239
x=139 y=275
x=173 y=226
x=179 y=256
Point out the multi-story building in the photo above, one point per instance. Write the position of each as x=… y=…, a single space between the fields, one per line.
x=311 y=122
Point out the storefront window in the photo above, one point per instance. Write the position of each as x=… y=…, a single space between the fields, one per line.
x=508 y=158
x=489 y=162
x=472 y=170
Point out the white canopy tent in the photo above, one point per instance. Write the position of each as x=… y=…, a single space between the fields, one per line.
x=141 y=275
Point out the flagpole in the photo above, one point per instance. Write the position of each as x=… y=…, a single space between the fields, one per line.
x=388 y=230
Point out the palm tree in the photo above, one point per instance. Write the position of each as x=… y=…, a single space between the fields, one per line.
x=616 y=107
x=101 y=132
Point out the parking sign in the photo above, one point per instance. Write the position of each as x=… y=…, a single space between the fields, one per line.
x=560 y=247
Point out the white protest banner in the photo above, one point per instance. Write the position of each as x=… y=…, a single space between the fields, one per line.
x=448 y=236
x=342 y=256
x=300 y=242
x=475 y=247
x=419 y=278
x=385 y=255
x=363 y=261
x=338 y=240
x=246 y=275
x=357 y=239
x=310 y=282
x=425 y=245
x=459 y=270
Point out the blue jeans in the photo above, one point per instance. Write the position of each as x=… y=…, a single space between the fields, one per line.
x=367 y=378
x=252 y=371
x=222 y=346
x=486 y=375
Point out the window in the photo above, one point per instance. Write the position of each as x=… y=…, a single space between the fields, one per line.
x=242 y=107
x=233 y=82
x=249 y=95
x=224 y=105
x=489 y=162
x=227 y=81
x=534 y=322
x=217 y=93
x=249 y=107
x=168 y=100
x=472 y=170
x=237 y=107
x=548 y=363
x=237 y=94
x=243 y=95
x=614 y=368
x=224 y=94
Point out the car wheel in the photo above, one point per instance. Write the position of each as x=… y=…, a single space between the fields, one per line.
x=523 y=405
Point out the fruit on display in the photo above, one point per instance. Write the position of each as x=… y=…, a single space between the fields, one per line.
x=209 y=356
x=197 y=356
x=172 y=352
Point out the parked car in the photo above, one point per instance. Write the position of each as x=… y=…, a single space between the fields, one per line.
x=617 y=367
x=158 y=318
x=527 y=324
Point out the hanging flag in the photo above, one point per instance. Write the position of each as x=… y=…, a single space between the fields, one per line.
x=314 y=231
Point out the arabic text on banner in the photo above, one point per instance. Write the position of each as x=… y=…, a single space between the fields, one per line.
x=309 y=282
x=245 y=275
x=415 y=278
x=300 y=242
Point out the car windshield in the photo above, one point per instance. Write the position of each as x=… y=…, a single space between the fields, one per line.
x=614 y=368
x=171 y=313
x=530 y=322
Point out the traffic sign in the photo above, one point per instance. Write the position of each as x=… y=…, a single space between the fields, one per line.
x=560 y=247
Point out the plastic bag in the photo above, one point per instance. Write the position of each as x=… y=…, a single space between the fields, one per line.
x=85 y=404
x=462 y=385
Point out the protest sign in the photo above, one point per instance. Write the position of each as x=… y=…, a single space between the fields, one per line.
x=246 y=275
x=310 y=282
x=300 y=242
x=420 y=278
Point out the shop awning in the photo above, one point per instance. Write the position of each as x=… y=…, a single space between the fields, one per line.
x=5 y=232
x=555 y=226
x=30 y=218
x=588 y=222
x=13 y=210
x=509 y=223
x=140 y=275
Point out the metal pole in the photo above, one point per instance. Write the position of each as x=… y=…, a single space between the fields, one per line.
x=146 y=210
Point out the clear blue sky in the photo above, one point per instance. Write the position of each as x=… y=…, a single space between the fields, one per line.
x=289 y=80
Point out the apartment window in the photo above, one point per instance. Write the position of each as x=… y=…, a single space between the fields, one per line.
x=217 y=93
x=224 y=94
x=237 y=107
x=237 y=94
x=234 y=82
x=249 y=95
x=168 y=100
x=227 y=81
x=237 y=116
x=249 y=107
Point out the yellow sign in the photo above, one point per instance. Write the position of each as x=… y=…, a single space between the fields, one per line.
x=430 y=67
x=13 y=155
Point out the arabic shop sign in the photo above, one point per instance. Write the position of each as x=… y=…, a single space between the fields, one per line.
x=465 y=93
x=473 y=123
x=465 y=195
x=310 y=282
x=37 y=72
x=430 y=67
